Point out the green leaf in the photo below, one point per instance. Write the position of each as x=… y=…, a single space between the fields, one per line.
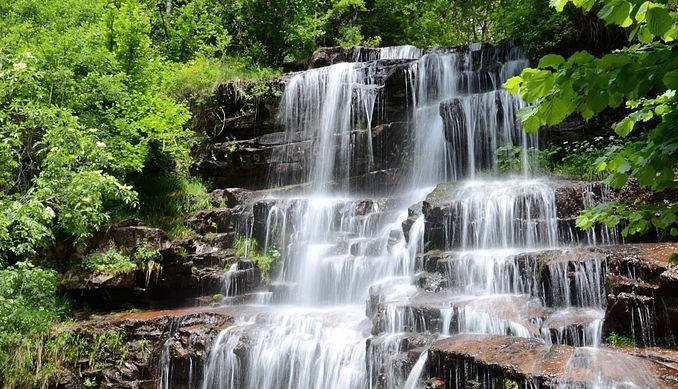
x=550 y=60
x=642 y=11
x=671 y=79
x=531 y=124
x=624 y=167
x=667 y=218
x=617 y=180
x=624 y=127
x=658 y=20
x=644 y=34
x=597 y=100
x=580 y=57
x=558 y=4
x=615 y=12
x=671 y=34
x=512 y=85
x=529 y=119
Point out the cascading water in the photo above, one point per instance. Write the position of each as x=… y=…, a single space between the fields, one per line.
x=339 y=250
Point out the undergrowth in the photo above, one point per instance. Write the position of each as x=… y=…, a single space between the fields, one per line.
x=266 y=261
x=166 y=201
x=577 y=159
x=36 y=343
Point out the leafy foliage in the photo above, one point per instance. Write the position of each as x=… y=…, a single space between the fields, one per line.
x=616 y=339
x=641 y=77
x=28 y=306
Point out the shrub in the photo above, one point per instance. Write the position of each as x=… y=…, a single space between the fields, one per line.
x=28 y=307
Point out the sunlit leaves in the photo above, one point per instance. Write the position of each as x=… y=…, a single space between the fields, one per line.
x=550 y=60
x=623 y=127
x=645 y=77
x=658 y=20
x=636 y=219
x=615 y=12
x=651 y=19
x=513 y=84
x=559 y=5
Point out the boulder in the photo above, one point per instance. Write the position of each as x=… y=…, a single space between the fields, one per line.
x=127 y=235
x=230 y=197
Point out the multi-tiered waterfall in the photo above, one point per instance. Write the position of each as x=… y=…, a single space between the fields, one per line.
x=353 y=302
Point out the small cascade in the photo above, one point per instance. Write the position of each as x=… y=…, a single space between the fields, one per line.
x=414 y=379
x=316 y=107
x=502 y=214
x=400 y=52
x=296 y=348
x=602 y=234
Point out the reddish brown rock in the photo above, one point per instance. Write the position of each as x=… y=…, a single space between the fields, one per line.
x=495 y=360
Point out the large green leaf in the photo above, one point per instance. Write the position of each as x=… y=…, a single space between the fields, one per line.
x=558 y=4
x=586 y=4
x=615 y=12
x=644 y=34
x=624 y=127
x=658 y=20
x=671 y=79
x=550 y=60
x=512 y=85
x=597 y=100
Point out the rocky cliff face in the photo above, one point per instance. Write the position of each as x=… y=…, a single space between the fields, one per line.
x=538 y=306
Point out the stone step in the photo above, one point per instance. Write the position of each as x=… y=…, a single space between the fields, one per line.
x=251 y=298
x=519 y=315
x=506 y=213
x=559 y=278
x=488 y=361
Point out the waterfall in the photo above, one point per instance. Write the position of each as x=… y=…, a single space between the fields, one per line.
x=503 y=270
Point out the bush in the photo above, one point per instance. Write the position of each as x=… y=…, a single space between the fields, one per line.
x=28 y=307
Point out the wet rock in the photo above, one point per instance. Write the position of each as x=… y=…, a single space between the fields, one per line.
x=495 y=360
x=127 y=235
x=533 y=206
x=573 y=196
x=431 y=282
x=642 y=299
x=326 y=56
x=390 y=358
x=220 y=220
x=237 y=163
x=240 y=109
x=230 y=197
x=183 y=334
